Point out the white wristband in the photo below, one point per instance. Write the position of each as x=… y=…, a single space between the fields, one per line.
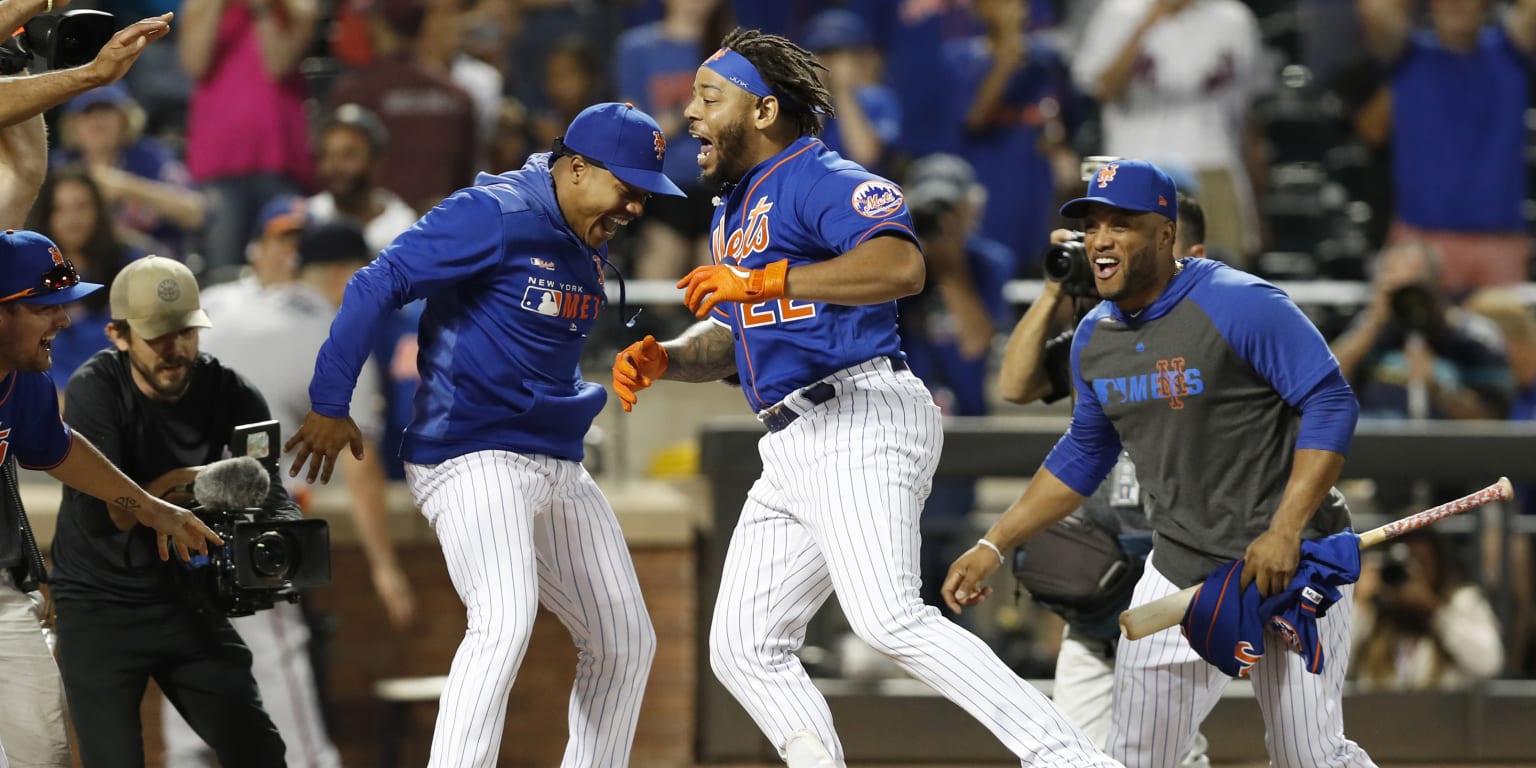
x=989 y=545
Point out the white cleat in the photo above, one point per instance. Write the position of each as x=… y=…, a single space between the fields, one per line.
x=805 y=750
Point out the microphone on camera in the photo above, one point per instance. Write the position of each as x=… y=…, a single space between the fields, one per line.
x=230 y=484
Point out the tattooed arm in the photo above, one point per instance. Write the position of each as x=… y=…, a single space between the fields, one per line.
x=705 y=352
x=89 y=472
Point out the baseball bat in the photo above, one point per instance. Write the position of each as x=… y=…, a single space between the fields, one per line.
x=1168 y=611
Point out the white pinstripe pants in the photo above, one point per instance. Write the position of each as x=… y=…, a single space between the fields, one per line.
x=1163 y=690
x=837 y=508
x=519 y=530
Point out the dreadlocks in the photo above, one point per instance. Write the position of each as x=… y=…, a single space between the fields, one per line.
x=791 y=72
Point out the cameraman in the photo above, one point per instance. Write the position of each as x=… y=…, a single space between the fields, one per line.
x=1412 y=355
x=1035 y=367
x=24 y=99
x=161 y=411
x=947 y=330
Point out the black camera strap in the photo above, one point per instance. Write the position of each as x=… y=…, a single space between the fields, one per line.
x=37 y=572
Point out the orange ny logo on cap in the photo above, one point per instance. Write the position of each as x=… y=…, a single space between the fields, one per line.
x=1106 y=175
x=58 y=258
x=660 y=144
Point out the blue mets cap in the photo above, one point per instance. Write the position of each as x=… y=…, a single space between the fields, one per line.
x=281 y=215
x=622 y=140
x=114 y=95
x=837 y=29
x=33 y=271
x=1132 y=185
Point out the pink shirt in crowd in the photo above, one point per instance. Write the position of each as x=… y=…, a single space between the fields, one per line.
x=239 y=120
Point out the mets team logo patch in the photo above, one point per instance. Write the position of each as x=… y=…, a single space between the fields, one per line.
x=877 y=199
x=1106 y=175
x=659 y=143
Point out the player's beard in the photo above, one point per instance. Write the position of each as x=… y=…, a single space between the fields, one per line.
x=170 y=379
x=1136 y=275
x=729 y=152
x=349 y=191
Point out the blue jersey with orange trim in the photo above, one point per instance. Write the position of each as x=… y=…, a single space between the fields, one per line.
x=806 y=204
x=30 y=426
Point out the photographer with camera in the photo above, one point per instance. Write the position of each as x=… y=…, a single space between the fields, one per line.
x=23 y=100
x=1084 y=568
x=163 y=412
x=947 y=331
x=1420 y=625
x=1411 y=354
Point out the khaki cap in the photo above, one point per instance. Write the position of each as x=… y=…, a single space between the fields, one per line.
x=157 y=296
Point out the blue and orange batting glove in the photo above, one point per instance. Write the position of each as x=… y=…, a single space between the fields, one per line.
x=707 y=286
x=636 y=367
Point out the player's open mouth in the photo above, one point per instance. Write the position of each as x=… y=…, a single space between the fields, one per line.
x=47 y=344
x=706 y=148
x=611 y=225
x=1104 y=268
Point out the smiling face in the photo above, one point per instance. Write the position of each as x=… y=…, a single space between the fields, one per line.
x=162 y=367
x=26 y=335
x=1131 y=254
x=596 y=203
x=720 y=116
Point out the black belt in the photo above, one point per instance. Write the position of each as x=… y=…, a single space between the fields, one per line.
x=779 y=416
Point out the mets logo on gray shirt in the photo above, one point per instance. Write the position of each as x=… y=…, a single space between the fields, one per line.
x=1169 y=379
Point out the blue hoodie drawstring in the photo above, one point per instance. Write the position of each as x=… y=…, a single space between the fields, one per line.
x=630 y=323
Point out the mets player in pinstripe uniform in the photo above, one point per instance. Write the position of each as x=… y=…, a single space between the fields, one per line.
x=1237 y=417
x=512 y=273
x=811 y=253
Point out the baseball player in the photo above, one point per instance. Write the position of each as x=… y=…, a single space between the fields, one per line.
x=36 y=281
x=811 y=253
x=1034 y=368
x=512 y=273
x=1237 y=417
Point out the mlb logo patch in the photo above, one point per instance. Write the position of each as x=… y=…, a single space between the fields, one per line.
x=1311 y=595
x=877 y=199
x=542 y=263
x=544 y=301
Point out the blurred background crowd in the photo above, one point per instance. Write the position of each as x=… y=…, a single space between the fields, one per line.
x=1381 y=142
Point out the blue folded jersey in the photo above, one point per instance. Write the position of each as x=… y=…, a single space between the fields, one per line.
x=1227 y=626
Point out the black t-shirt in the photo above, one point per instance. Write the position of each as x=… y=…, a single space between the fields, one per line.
x=145 y=438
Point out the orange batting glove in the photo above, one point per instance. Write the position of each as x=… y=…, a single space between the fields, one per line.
x=708 y=286
x=636 y=367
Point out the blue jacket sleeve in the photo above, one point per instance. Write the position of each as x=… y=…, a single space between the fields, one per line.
x=455 y=241
x=1328 y=415
x=1084 y=455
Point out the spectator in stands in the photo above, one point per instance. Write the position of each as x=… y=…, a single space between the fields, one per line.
x=1019 y=109
x=572 y=81
x=1170 y=101
x=72 y=212
x=653 y=69
x=1411 y=354
x=146 y=186
x=1419 y=625
x=1460 y=92
x=430 y=119
x=442 y=43
x=868 y=111
x=247 y=135
x=1518 y=325
x=914 y=34
x=947 y=332
x=353 y=143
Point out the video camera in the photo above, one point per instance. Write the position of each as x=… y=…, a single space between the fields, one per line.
x=1067 y=263
x=60 y=40
x=263 y=559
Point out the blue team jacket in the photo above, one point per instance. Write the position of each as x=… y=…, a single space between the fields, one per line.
x=511 y=294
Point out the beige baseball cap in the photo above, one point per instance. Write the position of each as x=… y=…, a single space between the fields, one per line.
x=157 y=296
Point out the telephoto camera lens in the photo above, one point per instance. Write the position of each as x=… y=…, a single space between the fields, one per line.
x=272 y=555
x=1067 y=263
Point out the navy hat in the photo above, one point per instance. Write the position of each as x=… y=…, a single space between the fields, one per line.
x=835 y=30
x=281 y=215
x=1132 y=185
x=114 y=95
x=622 y=140
x=33 y=271
x=334 y=241
x=938 y=181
